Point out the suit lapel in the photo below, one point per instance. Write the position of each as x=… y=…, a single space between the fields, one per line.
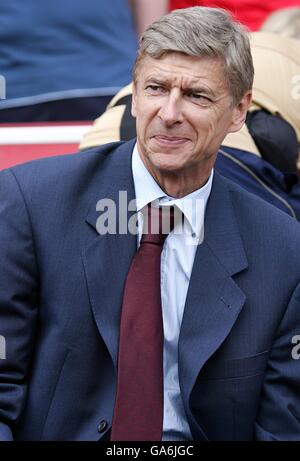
x=107 y=258
x=214 y=301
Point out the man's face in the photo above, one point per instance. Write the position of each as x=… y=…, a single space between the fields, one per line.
x=183 y=112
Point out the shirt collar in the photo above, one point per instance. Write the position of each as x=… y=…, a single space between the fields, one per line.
x=147 y=190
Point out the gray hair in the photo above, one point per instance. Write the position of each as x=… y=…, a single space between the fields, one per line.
x=200 y=31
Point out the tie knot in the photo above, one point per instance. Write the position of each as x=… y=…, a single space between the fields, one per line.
x=158 y=223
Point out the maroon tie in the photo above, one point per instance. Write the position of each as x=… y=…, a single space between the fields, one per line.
x=138 y=411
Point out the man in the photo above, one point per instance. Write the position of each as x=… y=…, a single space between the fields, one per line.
x=262 y=157
x=228 y=285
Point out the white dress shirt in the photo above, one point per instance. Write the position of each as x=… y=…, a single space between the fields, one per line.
x=177 y=260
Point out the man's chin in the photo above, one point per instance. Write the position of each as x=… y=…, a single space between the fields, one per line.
x=167 y=162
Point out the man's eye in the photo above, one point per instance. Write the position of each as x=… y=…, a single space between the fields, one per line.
x=154 y=88
x=199 y=97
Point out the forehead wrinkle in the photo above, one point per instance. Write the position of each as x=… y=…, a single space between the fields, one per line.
x=172 y=74
x=185 y=79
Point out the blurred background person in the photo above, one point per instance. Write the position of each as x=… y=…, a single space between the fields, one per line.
x=147 y=11
x=285 y=21
x=252 y=13
x=263 y=156
x=64 y=61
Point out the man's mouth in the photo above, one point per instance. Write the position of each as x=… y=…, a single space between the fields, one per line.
x=170 y=140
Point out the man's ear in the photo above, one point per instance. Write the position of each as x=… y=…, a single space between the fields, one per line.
x=133 y=100
x=240 y=112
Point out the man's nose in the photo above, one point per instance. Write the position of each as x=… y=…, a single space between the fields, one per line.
x=171 y=110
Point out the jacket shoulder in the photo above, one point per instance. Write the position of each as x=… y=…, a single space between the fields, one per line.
x=65 y=170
